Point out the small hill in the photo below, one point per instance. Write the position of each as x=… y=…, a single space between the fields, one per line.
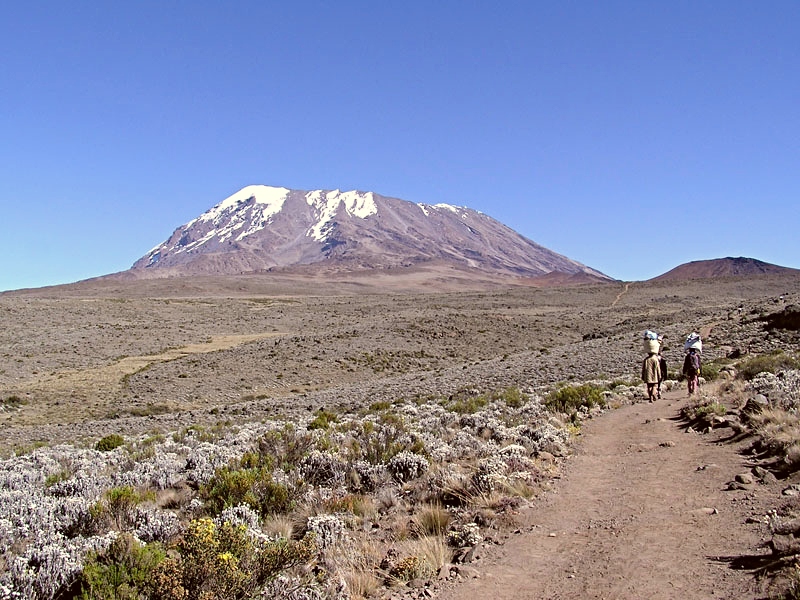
x=723 y=267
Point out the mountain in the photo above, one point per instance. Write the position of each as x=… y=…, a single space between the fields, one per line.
x=263 y=228
x=723 y=267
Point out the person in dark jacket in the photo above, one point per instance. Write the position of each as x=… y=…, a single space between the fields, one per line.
x=691 y=369
x=662 y=366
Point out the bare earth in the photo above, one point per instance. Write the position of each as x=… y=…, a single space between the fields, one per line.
x=642 y=512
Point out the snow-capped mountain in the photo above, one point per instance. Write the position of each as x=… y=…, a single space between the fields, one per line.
x=262 y=227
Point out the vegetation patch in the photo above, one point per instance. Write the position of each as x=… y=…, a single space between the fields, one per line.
x=261 y=508
x=109 y=443
x=12 y=403
x=570 y=398
x=766 y=363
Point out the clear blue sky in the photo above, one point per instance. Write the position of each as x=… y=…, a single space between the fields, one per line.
x=630 y=136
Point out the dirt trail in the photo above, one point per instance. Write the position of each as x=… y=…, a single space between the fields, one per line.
x=620 y=295
x=642 y=512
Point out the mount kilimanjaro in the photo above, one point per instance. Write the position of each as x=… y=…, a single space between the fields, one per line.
x=262 y=228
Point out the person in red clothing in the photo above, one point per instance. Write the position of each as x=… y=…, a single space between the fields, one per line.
x=691 y=369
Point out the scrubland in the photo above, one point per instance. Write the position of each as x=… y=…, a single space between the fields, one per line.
x=333 y=446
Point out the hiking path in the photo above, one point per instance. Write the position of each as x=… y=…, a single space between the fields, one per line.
x=642 y=511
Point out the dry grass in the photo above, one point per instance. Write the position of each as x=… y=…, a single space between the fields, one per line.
x=433 y=550
x=357 y=562
x=430 y=520
x=279 y=526
x=779 y=431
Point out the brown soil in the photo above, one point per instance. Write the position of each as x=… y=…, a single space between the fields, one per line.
x=642 y=512
x=75 y=365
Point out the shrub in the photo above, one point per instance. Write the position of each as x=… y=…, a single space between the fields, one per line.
x=407 y=568
x=406 y=466
x=323 y=420
x=55 y=478
x=287 y=446
x=379 y=443
x=109 y=442
x=512 y=396
x=703 y=411
x=570 y=398
x=466 y=405
x=771 y=363
x=118 y=507
x=225 y=562
x=125 y=571
x=231 y=486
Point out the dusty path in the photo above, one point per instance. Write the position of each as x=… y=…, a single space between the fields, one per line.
x=620 y=295
x=642 y=512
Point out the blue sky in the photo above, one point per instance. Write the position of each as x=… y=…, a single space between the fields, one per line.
x=630 y=136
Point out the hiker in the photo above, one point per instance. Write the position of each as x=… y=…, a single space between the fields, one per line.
x=691 y=369
x=662 y=367
x=651 y=374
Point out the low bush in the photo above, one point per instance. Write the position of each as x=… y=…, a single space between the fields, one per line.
x=770 y=363
x=571 y=398
x=253 y=486
x=323 y=420
x=109 y=443
x=512 y=396
x=466 y=405
x=125 y=571
x=118 y=507
x=224 y=562
x=286 y=446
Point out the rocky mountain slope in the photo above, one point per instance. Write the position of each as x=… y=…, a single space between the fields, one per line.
x=723 y=267
x=270 y=228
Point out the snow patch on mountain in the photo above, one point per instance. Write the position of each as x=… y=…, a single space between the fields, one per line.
x=269 y=199
x=326 y=204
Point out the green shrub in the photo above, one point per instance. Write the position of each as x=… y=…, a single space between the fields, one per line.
x=125 y=571
x=286 y=446
x=109 y=442
x=466 y=405
x=226 y=563
x=772 y=363
x=709 y=410
x=323 y=420
x=117 y=508
x=710 y=370
x=512 y=396
x=55 y=478
x=703 y=411
x=570 y=398
x=231 y=486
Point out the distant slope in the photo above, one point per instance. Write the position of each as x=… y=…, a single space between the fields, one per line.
x=263 y=228
x=723 y=267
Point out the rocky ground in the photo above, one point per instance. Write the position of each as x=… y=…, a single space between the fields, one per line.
x=85 y=365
